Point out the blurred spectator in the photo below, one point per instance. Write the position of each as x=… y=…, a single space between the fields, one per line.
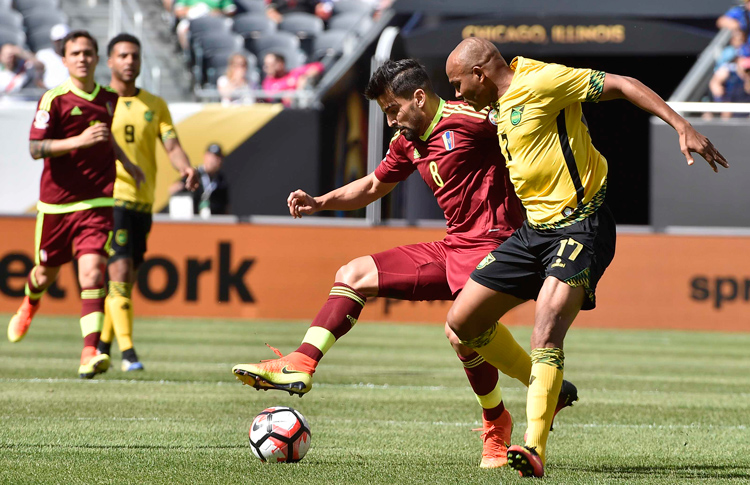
x=55 y=73
x=737 y=48
x=186 y=10
x=212 y=195
x=736 y=18
x=18 y=69
x=277 y=8
x=278 y=79
x=731 y=83
x=234 y=86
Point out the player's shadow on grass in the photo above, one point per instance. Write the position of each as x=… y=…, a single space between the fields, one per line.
x=675 y=471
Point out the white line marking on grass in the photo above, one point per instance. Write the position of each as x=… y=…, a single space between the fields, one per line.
x=566 y=425
x=360 y=385
x=92 y=418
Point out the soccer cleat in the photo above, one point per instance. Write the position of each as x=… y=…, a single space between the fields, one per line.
x=130 y=366
x=19 y=323
x=496 y=437
x=525 y=461
x=292 y=373
x=568 y=395
x=96 y=364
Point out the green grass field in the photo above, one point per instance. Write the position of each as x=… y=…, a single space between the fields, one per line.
x=390 y=405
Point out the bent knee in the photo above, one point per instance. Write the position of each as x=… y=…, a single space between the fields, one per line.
x=360 y=276
x=456 y=342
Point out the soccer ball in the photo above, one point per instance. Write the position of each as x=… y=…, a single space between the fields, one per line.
x=280 y=434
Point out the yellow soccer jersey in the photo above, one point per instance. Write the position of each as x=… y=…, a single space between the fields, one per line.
x=139 y=121
x=557 y=173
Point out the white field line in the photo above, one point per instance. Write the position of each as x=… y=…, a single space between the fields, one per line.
x=361 y=385
x=391 y=422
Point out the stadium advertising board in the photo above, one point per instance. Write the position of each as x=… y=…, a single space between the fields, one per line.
x=285 y=272
x=555 y=36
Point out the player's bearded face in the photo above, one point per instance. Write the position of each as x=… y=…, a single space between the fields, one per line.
x=403 y=114
x=125 y=61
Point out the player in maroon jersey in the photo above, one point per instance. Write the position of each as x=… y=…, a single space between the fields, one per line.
x=454 y=149
x=71 y=131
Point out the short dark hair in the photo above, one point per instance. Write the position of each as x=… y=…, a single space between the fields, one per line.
x=75 y=34
x=122 y=38
x=401 y=78
x=279 y=57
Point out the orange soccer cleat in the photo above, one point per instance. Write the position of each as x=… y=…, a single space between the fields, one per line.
x=496 y=437
x=92 y=363
x=292 y=373
x=19 y=323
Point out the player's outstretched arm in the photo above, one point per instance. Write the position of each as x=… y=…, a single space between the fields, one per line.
x=623 y=87
x=181 y=162
x=352 y=196
x=56 y=148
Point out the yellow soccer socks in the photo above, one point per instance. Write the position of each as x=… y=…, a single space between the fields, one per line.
x=499 y=348
x=544 y=389
x=120 y=310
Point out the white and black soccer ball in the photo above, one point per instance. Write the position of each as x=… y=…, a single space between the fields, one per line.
x=280 y=434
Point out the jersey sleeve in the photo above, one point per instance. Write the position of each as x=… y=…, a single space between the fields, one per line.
x=562 y=86
x=166 y=127
x=395 y=166
x=45 y=119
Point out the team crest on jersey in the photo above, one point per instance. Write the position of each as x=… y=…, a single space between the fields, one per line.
x=41 y=120
x=449 y=140
x=109 y=109
x=76 y=111
x=417 y=156
x=515 y=115
x=127 y=104
x=149 y=115
x=487 y=260
x=492 y=116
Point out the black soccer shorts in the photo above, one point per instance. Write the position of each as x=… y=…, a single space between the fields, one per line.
x=577 y=254
x=130 y=233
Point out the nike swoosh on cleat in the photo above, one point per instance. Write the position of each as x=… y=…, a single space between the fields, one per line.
x=285 y=371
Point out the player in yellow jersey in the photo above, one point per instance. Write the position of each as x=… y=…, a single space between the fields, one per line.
x=568 y=240
x=142 y=118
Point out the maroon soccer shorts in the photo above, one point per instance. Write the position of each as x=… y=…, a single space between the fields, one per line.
x=429 y=271
x=59 y=235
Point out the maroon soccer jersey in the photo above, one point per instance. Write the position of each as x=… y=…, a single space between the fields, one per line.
x=460 y=160
x=83 y=174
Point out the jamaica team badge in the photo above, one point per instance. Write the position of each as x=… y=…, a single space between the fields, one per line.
x=515 y=115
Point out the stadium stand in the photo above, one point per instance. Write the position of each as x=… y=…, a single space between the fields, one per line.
x=305 y=26
x=253 y=25
x=357 y=22
x=251 y=6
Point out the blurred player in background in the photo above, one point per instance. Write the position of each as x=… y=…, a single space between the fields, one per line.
x=142 y=118
x=455 y=151
x=568 y=240
x=71 y=131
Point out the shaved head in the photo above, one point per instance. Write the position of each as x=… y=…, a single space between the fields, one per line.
x=478 y=72
x=473 y=52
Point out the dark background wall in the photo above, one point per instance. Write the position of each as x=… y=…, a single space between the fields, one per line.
x=281 y=157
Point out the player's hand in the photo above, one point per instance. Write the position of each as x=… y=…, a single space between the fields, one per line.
x=300 y=203
x=137 y=174
x=190 y=175
x=692 y=141
x=93 y=134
